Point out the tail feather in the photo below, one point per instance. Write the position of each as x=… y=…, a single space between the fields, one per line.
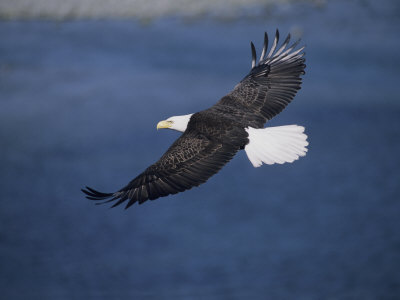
x=276 y=144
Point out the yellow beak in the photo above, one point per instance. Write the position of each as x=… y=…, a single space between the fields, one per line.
x=164 y=124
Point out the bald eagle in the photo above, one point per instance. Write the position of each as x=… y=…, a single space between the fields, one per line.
x=213 y=136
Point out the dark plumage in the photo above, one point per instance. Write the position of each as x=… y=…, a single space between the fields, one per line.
x=213 y=136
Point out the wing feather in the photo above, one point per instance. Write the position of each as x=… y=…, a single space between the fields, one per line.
x=202 y=158
x=270 y=86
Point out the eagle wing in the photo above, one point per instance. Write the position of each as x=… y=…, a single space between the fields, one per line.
x=190 y=161
x=269 y=87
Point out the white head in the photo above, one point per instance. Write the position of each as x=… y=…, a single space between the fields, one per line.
x=178 y=123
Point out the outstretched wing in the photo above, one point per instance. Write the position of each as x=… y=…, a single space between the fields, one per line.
x=270 y=85
x=189 y=162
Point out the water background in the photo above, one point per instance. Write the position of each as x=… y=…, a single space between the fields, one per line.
x=79 y=102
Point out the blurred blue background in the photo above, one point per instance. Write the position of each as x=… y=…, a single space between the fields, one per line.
x=80 y=96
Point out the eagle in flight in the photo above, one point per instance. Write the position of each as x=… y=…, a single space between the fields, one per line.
x=213 y=136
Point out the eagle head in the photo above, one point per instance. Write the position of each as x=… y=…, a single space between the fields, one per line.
x=178 y=123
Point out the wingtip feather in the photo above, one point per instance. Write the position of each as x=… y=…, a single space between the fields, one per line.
x=253 y=55
x=265 y=47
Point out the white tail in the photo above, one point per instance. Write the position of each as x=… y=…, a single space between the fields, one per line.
x=276 y=144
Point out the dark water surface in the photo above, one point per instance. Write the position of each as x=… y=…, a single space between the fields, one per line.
x=79 y=102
